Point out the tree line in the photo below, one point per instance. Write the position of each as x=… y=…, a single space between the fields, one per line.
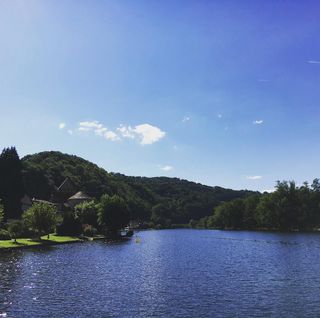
x=160 y=202
x=145 y=197
x=289 y=207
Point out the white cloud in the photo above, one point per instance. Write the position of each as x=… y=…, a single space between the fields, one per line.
x=145 y=133
x=101 y=131
x=62 y=125
x=166 y=168
x=313 y=62
x=84 y=129
x=253 y=177
x=90 y=124
x=185 y=119
x=126 y=132
x=258 y=122
x=70 y=132
x=219 y=115
x=110 y=135
x=98 y=129
x=148 y=134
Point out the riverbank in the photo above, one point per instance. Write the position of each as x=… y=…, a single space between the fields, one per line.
x=53 y=240
x=25 y=242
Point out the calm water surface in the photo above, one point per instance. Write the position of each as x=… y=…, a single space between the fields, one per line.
x=170 y=273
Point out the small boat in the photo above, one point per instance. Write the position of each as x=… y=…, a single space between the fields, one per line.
x=127 y=232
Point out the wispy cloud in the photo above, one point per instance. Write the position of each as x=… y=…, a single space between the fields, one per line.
x=70 y=132
x=98 y=129
x=110 y=135
x=263 y=80
x=258 y=122
x=254 y=177
x=219 y=116
x=126 y=131
x=90 y=125
x=62 y=125
x=313 y=62
x=145 y=134
x=185 y=119
x=166 y=168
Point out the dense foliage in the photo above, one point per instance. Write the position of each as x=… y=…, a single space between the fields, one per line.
x=15 y=228
x=87 y=213
x=44 y=171
x=113 y=213
x=70 y=225
x=287 y=208
x=11 y=183
x=41 y=218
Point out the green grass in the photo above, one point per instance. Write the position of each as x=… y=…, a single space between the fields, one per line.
x=53 y=239
x=19 y=243
x=60 y=239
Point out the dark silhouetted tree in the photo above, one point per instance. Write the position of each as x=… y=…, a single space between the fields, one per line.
x=113 y=213
x=11 y=183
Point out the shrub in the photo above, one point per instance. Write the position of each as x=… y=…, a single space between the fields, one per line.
x=15 y=229
x=86 y=213
x=4 y=235
x=41 y=218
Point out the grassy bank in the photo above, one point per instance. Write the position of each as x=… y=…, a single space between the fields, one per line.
x=53 y=239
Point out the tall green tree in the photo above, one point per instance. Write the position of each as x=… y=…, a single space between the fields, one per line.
x=86 y=213
x=15 y=229
x=11 y=182
x=41 y=218
x=113 y=213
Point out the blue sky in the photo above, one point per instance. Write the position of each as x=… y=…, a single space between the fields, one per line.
x=219 y=92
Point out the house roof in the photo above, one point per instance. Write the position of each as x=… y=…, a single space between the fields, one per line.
x=41 y=201
x=80 y=195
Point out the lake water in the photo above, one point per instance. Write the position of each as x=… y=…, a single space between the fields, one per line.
x=170 y=273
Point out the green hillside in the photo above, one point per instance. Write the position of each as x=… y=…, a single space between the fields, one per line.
x=166 y=199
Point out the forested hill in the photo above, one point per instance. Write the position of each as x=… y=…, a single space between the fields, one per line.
x=166 y=200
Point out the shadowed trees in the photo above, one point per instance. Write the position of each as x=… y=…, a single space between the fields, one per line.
x=11 y=183
x=113 y=213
